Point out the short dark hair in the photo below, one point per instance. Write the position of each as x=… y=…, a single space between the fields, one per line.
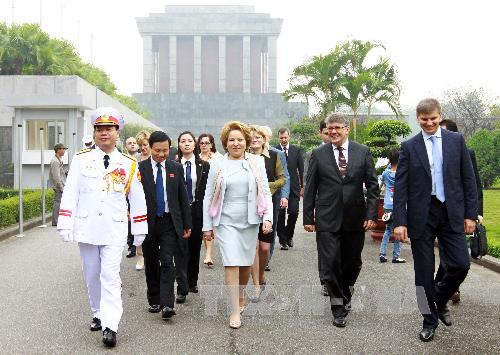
x=322 y=125
x=393 y=156
x=283 y=130
x=159 y=136
x=449 y=124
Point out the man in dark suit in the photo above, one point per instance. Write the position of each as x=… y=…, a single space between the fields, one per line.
x=335 y=207
x=435 y=196
x=452 y=126
x=169 y=225
x=295 y=165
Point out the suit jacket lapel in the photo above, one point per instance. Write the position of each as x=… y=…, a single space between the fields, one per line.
x=422 y=153
x=169 y=171
x=444 y=151
x=352 y=155
x=199 y=171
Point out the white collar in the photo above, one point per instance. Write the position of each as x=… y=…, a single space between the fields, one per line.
x=102 y=153
x=192 y=160
x=345 y=145
x=427 y=135
x=153 y=162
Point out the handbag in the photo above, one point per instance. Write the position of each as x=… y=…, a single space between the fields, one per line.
x=478 y=242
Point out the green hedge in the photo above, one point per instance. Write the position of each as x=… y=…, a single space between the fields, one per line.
x=32 y=206
x=493 y=250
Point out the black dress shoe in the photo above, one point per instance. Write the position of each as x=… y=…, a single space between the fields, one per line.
x=444 y=315
x=109 y=338
x=339 y=321
x=180 y=298
x=267 y=268
x=95 y=325
x=131 y=253
x=154 y=308
x=456 y=297
x=290 y=243
x=193 y=289
x=324 y=290
x=284 y=247
x=427 y=334
x=167 y=312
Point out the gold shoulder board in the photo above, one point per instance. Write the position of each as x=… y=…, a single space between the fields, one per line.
x=129 y=156
x=85 y=150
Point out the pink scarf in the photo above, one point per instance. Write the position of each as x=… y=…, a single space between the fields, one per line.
x=215 y=203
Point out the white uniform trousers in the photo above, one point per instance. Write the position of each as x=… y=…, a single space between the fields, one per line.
x=101 y=269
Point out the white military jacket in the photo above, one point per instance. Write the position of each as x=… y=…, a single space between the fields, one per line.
x=94 y=204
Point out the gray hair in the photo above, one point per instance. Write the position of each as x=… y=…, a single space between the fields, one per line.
x=269 y=131
x=337 y=117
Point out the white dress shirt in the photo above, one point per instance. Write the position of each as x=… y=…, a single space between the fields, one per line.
x=428 y=148
x=345 y=152
x=287 y=147
x=194 y=177
x=164 y=177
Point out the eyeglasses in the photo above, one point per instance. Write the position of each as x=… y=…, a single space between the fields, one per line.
x=336 y=128
x=205 y=143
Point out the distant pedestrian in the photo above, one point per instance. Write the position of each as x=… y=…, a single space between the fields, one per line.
x=207 y=150
x=132 y=149
x=295 y=165
x=57 y=176
x=388 y=177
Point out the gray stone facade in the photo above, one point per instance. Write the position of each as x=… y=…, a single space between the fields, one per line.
x=206 y=65
x=208 y=112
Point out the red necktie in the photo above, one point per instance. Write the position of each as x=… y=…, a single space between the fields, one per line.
x=286 y=151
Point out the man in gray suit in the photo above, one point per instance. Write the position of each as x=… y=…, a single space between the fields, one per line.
x=335 y=208
x=57 y=176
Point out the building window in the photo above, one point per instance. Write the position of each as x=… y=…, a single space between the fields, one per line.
x=53 y=132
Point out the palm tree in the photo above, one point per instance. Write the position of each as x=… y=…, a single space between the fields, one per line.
x=319 y=79
x=383 y=86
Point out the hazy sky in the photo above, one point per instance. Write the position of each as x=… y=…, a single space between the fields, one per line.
x=436 y=45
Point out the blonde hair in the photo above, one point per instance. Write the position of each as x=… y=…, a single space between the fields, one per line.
x=261 y=131
x=142 y=135
x=234 y=126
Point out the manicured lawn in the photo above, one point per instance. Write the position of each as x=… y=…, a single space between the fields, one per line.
x=492 y=219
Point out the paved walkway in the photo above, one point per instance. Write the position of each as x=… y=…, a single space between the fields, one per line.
x=44 y=308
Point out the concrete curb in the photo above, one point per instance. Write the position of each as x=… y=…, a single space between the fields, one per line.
x=489 y=262
x=29 y=224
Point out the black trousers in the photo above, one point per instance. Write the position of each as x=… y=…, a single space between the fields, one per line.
x=192 y=261
x=162 y=252
x=286 y=231
x=453 y=252
x=341 y=264
x=321 y=272
x=130 y=238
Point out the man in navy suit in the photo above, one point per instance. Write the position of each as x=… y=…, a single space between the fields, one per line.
x=435 y=196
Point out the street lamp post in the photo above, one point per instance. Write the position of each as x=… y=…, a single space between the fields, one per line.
x=20 y=178
x=42 y=167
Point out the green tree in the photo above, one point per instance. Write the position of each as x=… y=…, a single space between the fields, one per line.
x=342 y=78
x=384 y=134
x=319 y=79
x=486 y=145
x=26 y=49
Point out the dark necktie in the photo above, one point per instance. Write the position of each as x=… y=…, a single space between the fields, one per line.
x=189 y=182
x=286 y=152
x=342 y=162
x=160 y=192
x=106 y=161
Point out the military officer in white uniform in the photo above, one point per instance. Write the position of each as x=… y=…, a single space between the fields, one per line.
x=93 y=213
